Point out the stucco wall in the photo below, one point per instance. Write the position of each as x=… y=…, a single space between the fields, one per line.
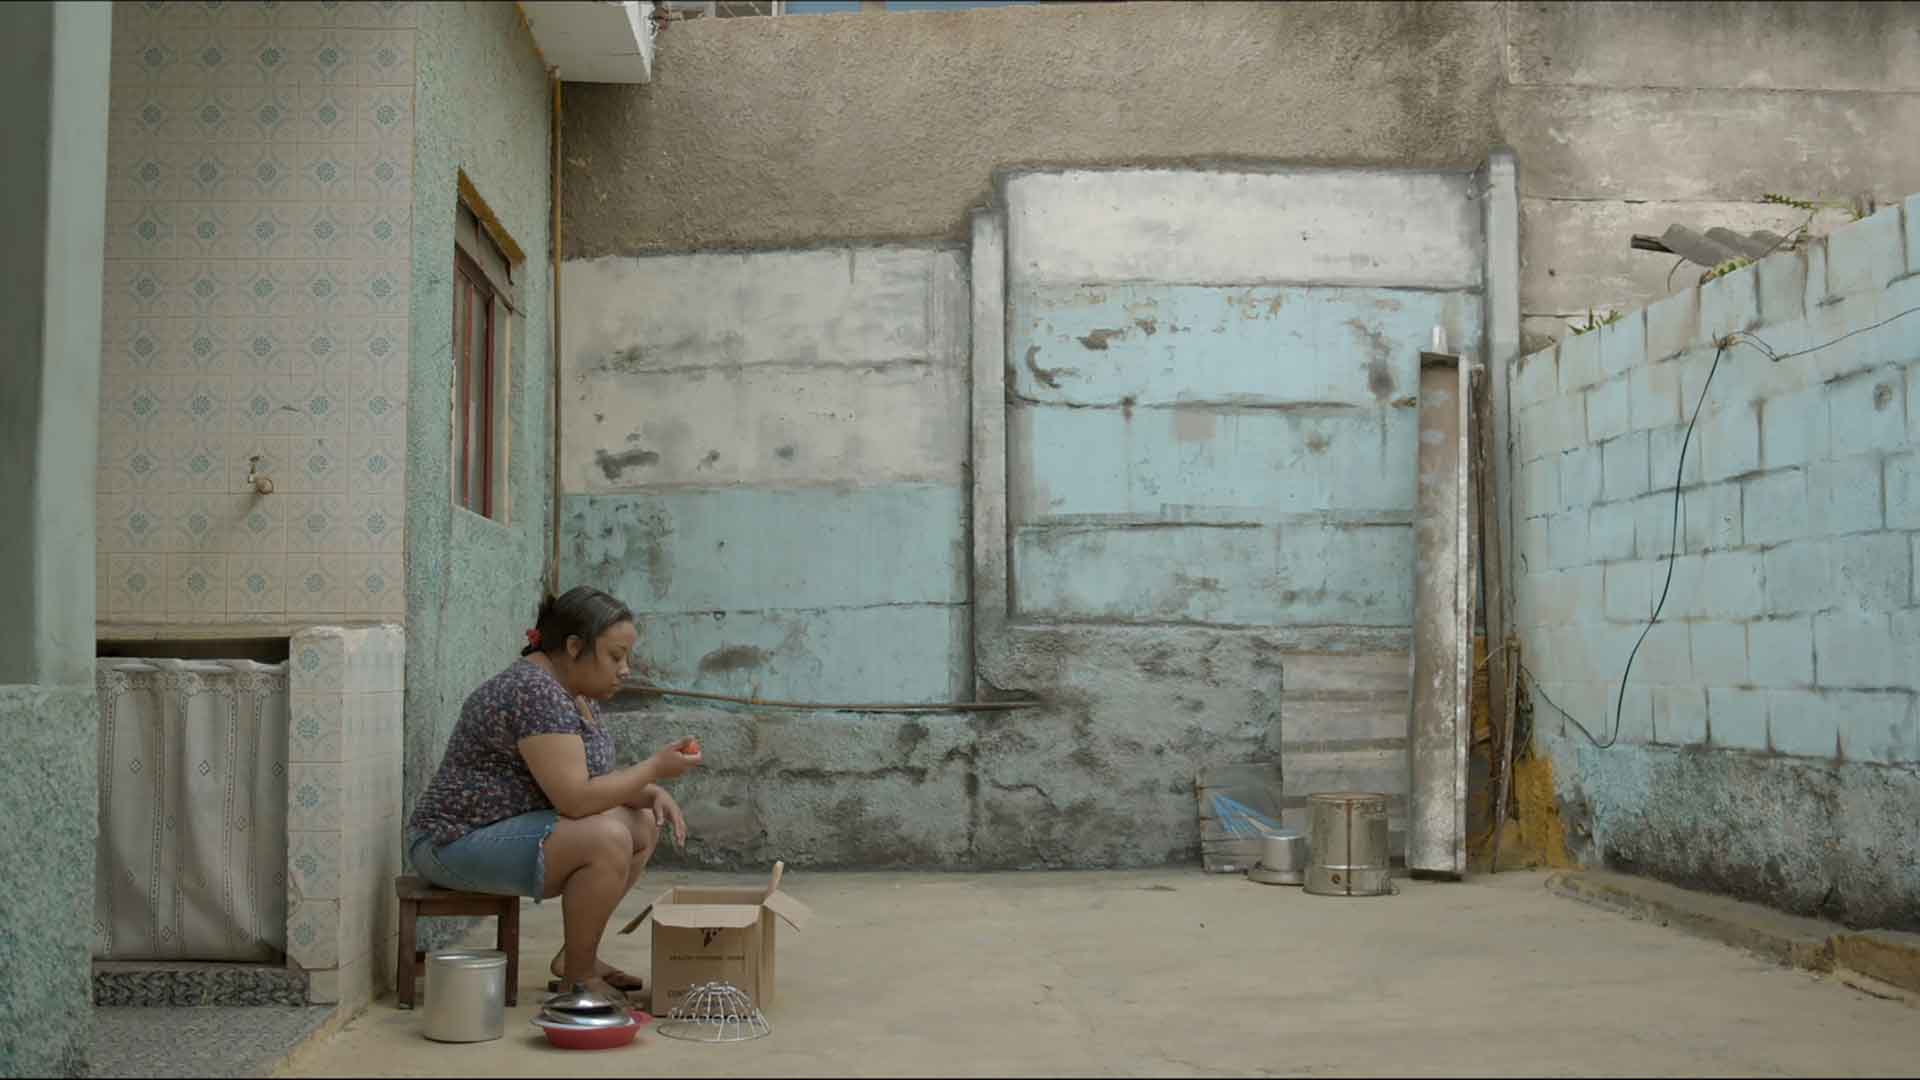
x=54 y=61
x=1768 y=744
x=767 y=133
x=482 y=106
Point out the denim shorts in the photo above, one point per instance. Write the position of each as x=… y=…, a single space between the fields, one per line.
x=505 y=858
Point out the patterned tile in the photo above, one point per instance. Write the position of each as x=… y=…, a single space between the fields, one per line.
x=376 y=523
x=383 y=231
x=395 y=14
x=200 y=404
x=256 y=584
x=266 y=289
x=146 y=55
x=207 y=230
x=386 y=58
x=325 y=289
x=134 y=347
x=272 y=53
x=383 y=171
x=262 y=405
x=268 y=233
x=209 y=288
x=325 y=172
x=330 y=57
x=209 y=56
x=144 y=114
x=318 y=662
x=326 y=231
x=319 y=404
x=262 y=455
x=378 y=403
x=197 y=523
x=204 y=171
x=256 y=524
x=261 y=347
x=265 y=171
x=138 y=288
x=136 y=403
x=142 y=171
x=313 y=926
x=379 y=288
x=317 y=524
x=196 y=586
x=386 y=114
x=328 y=114
x=317 y=585
x=377 y=464
x=322 y=347
x=135 y=462
x=202 y=346
x=140 y=230
x=313 y=858
x=136 y=585
x=376 y=584
x=198 y=462
x=211 y=113
x=382 y=346
x=131 y=522
x=317 y=465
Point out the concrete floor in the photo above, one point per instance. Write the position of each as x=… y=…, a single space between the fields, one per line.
x=1176 y=973
x=207 y=1041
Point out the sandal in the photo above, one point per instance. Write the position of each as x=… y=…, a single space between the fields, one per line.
x=613 y=977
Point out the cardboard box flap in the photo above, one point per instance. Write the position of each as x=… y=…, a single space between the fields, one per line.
x=706 y=916
x=793 y=911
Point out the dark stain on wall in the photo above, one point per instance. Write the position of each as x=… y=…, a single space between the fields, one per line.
x=613 y=466
x=733 y=658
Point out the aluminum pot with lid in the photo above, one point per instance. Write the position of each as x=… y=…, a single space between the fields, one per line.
x=580 y=1009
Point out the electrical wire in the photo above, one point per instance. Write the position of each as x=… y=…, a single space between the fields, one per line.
x=1738 y=337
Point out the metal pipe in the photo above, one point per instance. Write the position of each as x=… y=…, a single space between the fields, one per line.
x=647 y=689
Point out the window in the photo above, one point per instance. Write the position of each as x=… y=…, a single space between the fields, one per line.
x=484 y=303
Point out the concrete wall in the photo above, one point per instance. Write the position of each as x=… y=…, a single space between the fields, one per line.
x=256 y=305
x=482 y=106
x=1769 y=744
x=1626 y=118
x=1183 y=461
x=54 y=62
x=764 y=455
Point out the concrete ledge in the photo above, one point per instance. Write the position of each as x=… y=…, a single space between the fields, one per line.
x=1784 y=939
x=1887 y=956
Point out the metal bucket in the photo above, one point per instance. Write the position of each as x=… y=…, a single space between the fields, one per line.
x=1351 y=856
x=466 y=996
x=1283 y=859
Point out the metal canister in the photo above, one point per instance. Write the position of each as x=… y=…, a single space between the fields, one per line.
x=1350 y=852
x=466 y=996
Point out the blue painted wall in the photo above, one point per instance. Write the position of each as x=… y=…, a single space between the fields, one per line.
x=1219 y=454
x=1768 y=740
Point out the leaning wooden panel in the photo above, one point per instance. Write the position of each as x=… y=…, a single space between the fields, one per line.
x=1442 y=624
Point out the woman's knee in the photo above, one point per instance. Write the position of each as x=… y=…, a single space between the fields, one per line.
x=645 y=832
x=605 y=836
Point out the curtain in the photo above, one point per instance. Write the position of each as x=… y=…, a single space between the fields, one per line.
x=192 y=855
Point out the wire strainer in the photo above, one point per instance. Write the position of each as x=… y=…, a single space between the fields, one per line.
x=715 y=1012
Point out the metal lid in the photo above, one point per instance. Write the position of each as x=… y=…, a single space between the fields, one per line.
x=468 y=958
x=579 y=1008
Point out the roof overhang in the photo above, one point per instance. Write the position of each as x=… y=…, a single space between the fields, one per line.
x=596 y=41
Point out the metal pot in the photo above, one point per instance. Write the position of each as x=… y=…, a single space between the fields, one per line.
x=466 y=996
x=1283 y=859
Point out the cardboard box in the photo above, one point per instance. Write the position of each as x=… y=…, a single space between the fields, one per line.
x=719 y=935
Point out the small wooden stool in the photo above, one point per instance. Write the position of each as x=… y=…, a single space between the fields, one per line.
x=420 y=897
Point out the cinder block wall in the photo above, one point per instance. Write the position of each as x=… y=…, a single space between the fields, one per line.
x=1768 y=743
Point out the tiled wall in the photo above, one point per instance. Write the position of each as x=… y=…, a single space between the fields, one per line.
x=257 y=274
x=343 y=808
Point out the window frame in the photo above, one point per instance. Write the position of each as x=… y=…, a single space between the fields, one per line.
x=485 y=301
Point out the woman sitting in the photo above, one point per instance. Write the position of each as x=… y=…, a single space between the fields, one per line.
x=527 y=801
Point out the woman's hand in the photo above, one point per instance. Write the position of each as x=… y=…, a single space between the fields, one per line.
x=676 y=760
x=667 y=812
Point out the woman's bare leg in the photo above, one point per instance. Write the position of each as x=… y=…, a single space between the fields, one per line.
x=644 y=834
x=589 y=865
